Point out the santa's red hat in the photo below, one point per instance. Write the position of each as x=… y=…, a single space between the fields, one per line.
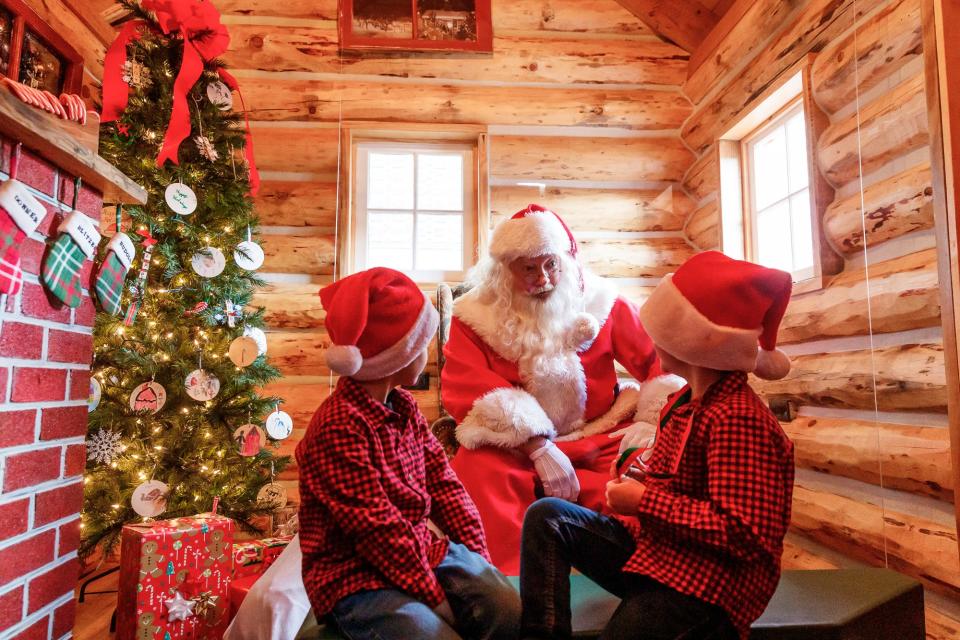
x=531 y=232
x=379 y=322
x=715 y=312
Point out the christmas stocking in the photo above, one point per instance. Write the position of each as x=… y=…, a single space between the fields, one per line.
x=113 y=271
x=77 y=242
x=20 y=213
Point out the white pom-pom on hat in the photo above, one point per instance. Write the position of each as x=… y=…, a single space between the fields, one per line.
x=772 y=365
x=344 y=360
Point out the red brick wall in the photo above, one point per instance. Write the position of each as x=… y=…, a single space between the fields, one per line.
x=45 y=352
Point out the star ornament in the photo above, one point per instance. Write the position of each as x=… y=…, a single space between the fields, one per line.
x=179 y=608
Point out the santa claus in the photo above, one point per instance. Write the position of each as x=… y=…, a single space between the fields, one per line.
x=530 y=378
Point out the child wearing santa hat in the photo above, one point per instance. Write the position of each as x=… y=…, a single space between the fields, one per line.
x=371 y=476
x=694 y=550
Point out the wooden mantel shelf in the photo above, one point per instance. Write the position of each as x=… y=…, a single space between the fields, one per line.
x=62 y=143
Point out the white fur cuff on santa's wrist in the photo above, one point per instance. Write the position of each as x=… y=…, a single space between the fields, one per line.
x=507 y=418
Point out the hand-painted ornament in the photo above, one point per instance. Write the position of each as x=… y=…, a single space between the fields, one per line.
x=208 y=262
x=150 y=499
x=259 y=336
x=93 y=399
x=202 y=385
x=219 y=94
x=136 y=75
x=273 y=494
x=248 y=255
x=250 y=439
x=243 y=351
x=206 y=148
x=279 y=425
x=180 y=198
x=149 y=396
x=140 y=286
x=178 y=607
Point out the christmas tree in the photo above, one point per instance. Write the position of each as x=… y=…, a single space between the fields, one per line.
x=178 y=367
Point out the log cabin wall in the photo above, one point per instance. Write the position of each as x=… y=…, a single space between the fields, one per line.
x=578 y=97
x=874 y=481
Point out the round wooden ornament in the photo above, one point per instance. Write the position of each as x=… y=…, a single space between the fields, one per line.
x=243 y=351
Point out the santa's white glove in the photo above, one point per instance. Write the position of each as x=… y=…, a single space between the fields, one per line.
x=637 y=435
x=556 y=473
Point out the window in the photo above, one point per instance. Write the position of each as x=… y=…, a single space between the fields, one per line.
x=32 y=53
x=772 y=195
x=777 y=184
x=415 y=208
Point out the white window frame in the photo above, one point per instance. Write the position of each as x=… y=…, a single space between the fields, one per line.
x=469 y=213
x=748 y=143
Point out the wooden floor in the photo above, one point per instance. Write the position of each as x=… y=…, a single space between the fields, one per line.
x=93 y=614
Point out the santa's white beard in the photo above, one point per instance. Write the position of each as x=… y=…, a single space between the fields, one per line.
x=533 y=328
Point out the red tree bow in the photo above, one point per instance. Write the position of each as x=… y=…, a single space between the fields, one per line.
x=204 y=38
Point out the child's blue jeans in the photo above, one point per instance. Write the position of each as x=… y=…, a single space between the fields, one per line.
x=558 y=535
x=484 y=603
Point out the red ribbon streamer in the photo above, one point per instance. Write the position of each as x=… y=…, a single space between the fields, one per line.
x=204 y=38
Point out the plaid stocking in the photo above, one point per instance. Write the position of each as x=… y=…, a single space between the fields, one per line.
x=113 y=271
x=20 y=213
x=61 y=268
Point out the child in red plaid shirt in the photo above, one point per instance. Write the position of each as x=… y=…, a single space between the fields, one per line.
x=371 y=476
x=695 y=550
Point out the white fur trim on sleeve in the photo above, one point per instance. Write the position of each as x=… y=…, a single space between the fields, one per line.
x=653 y=396
x=505 y=417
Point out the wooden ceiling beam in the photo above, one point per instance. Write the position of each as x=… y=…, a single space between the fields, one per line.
x=684 y=22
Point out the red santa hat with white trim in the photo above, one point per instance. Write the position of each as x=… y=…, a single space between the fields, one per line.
x=721 y=313
x=537 y=231
x=379 y=321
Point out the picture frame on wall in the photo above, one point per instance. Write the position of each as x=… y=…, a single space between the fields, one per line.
x=416 y=25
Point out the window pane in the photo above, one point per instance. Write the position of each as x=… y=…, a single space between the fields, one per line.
x=773 y=237
x=440 y=242
x=390 y=240
x=40 y=67
x=390 y=181
x=440 y=182
x=802 y=228
x=770 y=168
x=797 y=152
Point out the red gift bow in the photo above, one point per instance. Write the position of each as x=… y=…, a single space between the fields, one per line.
x=204 y=38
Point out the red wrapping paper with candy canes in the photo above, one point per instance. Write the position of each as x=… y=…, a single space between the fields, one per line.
x=175 y=579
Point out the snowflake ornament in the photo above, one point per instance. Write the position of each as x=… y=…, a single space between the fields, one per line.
x=136 y=75
x=206 y=148
x=104 y=446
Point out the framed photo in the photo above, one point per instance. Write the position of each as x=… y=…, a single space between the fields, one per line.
x=416 y=25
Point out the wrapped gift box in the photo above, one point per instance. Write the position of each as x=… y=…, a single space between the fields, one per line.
x=192 y=556
x=247 y=559
x=272 y=548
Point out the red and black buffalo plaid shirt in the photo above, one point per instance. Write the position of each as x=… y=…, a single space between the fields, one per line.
x=715 y=530
x=370 y=477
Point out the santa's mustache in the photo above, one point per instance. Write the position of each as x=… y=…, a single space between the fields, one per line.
x=547 y=288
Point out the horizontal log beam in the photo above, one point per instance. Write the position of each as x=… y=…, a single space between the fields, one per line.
x=298 y=353
x=687 y=23
x=703 y=177
x=290 y=305
x=869 y=55
x=738 y=37
x=820 y=22
x=297 y=204
x=796 y=556
x=895 y=456
x=642 y=258
x=297 y=149
x=894 y=124
x=703 y=227
x=919 y=548
x=907 y=378
x=902 y=294
x=270 y=98
x=891 y=208
x=312 y=255
x=595 y=159
x=599 y=209
x=515 y=58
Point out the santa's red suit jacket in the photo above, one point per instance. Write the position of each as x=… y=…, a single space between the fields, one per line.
x=496 y=403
